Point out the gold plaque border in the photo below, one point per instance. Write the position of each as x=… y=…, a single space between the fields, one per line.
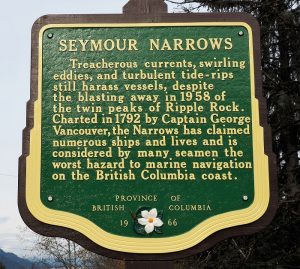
x=148 y=245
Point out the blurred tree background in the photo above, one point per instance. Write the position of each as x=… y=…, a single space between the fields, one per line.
x=278 y=245
x=59 y=253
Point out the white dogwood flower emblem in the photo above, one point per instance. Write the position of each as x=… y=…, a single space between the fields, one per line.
x=150 y=220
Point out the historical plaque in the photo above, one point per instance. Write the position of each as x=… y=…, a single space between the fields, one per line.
x=146 y=137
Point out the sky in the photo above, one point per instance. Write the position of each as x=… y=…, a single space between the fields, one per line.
x=16 y=21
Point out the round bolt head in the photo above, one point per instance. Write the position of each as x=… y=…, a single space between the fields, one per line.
x=50 y=35
x=50 y=198
x=245 y=197
x=241 y=33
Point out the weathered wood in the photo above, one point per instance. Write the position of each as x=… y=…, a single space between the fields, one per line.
x=145 y=7
x=149 y=265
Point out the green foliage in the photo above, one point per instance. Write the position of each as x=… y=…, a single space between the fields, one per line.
x=278 y=246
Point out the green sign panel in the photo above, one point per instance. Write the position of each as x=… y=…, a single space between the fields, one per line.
x=146 y=137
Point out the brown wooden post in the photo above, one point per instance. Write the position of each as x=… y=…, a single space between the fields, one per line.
x=149 y=265
x=145 y=7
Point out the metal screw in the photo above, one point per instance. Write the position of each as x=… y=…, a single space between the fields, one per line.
x=50 y=35
x=245 y=197
x=50 y=198
x=241 y=33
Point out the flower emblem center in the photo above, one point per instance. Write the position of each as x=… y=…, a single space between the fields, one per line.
x=151 y=220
